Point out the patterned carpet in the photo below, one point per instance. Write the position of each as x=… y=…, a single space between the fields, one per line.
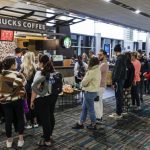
x=132 y=132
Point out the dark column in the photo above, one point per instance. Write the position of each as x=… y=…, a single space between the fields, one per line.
x=63 y=29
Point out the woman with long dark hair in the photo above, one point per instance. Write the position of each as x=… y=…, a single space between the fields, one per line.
x=45 y=100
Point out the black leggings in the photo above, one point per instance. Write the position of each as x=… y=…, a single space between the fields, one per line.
x=135 y=94
x=1 y=111
x=45 y=107
x=31 y=114
x=52 y=109
x=11 y=109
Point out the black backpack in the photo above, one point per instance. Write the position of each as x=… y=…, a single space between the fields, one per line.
x=55 y=83
x=130 y=75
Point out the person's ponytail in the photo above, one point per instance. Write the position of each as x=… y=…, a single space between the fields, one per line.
x=47 y=66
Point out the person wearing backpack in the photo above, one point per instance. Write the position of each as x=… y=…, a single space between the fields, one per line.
x=80 y=69
x=130 y=71
x=128 y=81
x=118 y=79
x=11 y=94
x=45 y=95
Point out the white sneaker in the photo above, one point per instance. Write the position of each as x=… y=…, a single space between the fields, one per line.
x=28 y=126
x=116 y=116
x=138 y=108
x=36 y=125
x=20 y=143
x=9 y=144
x=124 y=113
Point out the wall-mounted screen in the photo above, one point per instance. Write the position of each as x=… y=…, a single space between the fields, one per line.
x=47 y=44
x=107 y=48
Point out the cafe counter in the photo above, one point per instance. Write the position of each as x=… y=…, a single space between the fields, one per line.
x=66 y=71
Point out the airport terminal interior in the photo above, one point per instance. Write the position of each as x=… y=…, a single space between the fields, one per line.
x=75 y=74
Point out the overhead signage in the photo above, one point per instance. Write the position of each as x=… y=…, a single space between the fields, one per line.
x=21 y=25
x=6 y=35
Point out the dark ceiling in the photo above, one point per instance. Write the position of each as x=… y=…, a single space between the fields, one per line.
x=117 y=11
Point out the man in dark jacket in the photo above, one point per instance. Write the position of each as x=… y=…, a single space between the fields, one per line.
x=144 y=68
x=118 y=79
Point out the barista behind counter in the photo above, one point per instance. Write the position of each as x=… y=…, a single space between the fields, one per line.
x=66 y=68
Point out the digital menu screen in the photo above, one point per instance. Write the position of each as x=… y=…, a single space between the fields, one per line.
x=107 y=49
x=6 y=35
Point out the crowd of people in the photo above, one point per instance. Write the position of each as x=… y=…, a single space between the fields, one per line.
x=29 y=89
x=27 y=95
x=92 y=75
x=130 y=78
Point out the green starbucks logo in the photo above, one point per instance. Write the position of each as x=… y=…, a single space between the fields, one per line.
x=67 y=42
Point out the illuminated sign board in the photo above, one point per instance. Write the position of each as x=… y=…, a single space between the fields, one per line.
x=6 y=35
x=66 y=43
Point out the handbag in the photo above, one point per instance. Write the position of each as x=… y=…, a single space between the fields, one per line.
x=96 y=99
x=25 y=106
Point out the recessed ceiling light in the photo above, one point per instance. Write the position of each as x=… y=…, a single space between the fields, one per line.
x=137 y=11
x=107 y=0
x=28 y=3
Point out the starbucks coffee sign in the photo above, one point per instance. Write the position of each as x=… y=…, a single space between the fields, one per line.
x=21 y=25
x=67 y=42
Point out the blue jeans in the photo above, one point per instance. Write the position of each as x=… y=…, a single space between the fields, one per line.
x=119 y=96
x=88 y=107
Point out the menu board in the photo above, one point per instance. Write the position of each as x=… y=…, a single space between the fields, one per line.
x=6 y=35
x=57 y=57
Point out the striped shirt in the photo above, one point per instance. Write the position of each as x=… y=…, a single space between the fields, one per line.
x=13 y=75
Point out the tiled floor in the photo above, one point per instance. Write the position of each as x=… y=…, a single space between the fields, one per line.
x=132 y=132
x=109 y=92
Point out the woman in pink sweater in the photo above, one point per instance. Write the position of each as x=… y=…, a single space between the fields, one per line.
x=135 y=85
